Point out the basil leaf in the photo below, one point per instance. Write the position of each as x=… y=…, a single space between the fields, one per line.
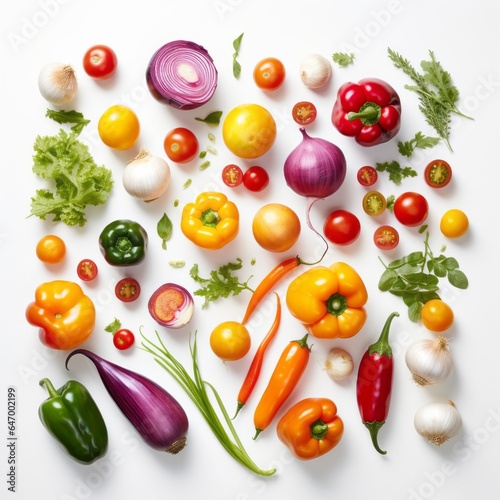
x=458 y=279
x=387 y=280
x=212 y=118
x=164 y=230
x=415 y=312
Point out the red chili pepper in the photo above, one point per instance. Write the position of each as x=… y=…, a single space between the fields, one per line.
x=374 y=383
x=268 y=283
x=369 y=111
x=256 y=365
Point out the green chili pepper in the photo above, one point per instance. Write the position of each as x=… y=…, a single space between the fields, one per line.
x=72 y=417
x=123 y=243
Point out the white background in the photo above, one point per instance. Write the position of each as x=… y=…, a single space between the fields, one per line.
x=464 y=37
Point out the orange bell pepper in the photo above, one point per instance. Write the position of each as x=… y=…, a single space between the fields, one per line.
x=329 y=301
x=311 y=428
x=65 y=315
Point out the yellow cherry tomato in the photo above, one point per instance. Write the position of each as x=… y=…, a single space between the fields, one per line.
x=119 y=127
x=230 y=340
x=437 y=316
x=249 y=131
x=454 y=223
x=51 y=249
x=276 y=227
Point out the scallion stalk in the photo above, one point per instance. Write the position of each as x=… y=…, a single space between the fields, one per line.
x=195 y=388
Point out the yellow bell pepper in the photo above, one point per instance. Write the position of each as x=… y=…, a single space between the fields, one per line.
x=212 y=221
x=329 y=301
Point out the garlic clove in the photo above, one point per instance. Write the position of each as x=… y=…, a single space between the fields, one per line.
x=338 y=364
x=315 y=71
x=438 y=422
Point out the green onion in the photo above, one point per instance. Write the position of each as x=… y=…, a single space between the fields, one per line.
x=195 y=388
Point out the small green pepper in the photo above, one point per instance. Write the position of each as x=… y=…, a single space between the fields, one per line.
x=123 y=243
x=72 y=417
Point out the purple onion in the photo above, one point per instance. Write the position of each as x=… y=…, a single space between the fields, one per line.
x=182 y=74
x=158 y=417
x=316 y=168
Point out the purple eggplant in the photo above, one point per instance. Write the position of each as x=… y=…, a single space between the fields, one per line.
x=158 y=417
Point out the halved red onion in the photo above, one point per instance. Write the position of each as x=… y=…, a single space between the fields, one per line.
x=171 y=305
x=182 y=74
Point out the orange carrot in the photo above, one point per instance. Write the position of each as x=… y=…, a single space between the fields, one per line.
x=268 y=284
x=256 y=365
x=287 y=373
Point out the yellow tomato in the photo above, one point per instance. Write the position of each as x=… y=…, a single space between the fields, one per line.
x=249 y=131
x=230 y=340
x=437 y=316
x=276 y=227
x=119 y=127
x=51 y=249
x=454 y=223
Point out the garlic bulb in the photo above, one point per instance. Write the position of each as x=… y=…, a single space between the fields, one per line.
x=315 y=71
x=338 y=364
x=429 y=361
x=438 y=422
x=146 y=177
x=57 y=83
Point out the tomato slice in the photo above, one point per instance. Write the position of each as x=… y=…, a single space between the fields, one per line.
x=127 y=290
x=367 y=175
x=437 y=173
x=304 y=112
x=232 y=175
x=87 y=270
x=374 y=203
x=386 y=238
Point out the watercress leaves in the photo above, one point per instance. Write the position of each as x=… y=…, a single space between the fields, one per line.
x=236 y=64
x=415 y=278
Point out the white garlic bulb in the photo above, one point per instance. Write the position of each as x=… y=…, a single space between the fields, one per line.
x=438 y=422
x=429 y=360
x=339 y=364
x=315 y=71
x=57 y=83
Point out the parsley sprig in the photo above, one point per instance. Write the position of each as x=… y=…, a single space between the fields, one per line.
x=221 y=283
x=415 y=277
x=396 y=172
x=437 y=95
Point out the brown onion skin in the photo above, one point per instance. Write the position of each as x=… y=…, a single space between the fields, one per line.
x=157 y=416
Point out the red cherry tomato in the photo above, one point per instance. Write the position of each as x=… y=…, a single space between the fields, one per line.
x=367 y=175
x=123 y=339
x=255 y=178
x=232 y=175
x=100 y=62
x=386 y=238
x=304 y=112
x=342 y=227
x=437 y=173
x=127 y=290
x=87 y=270
x=411 y=209
x=181 y=145
x=269 y=74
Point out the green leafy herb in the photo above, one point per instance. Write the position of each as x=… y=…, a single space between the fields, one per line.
x=236 y=64
x=196 y=388
x=436 y=92
x=212 y=118
x=164 y=229
x=73 y=116
x=221 y=283
x=390 y=202
x=419 y=141
x=343 y=58
x=415 y=278
x=114 y=326
x=396 y=172
x=78 y=180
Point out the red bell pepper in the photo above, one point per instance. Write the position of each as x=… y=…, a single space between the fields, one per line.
x=369 y=111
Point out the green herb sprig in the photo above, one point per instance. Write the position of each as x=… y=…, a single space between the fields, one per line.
x=420 y=141
x=236 y=64
x=221 y=283
x=164 y=230
x=343 y=58
x=415 y=277
x=396 y=172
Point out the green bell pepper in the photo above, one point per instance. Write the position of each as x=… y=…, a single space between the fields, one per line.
x=123 y=243
x=72 y=417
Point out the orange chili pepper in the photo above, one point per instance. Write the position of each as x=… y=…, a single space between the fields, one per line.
x=268 y=283
x=256 y=365
x=287 y=373
x=311 y=428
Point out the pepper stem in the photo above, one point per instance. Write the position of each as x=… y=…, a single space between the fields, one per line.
x=238 y=408
x=210 y=218
x=336 y=304
x=50 y=387
x=369 y=113
x=382 y=346
x=123 y=244
x=374 y=427
x=318 y=429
